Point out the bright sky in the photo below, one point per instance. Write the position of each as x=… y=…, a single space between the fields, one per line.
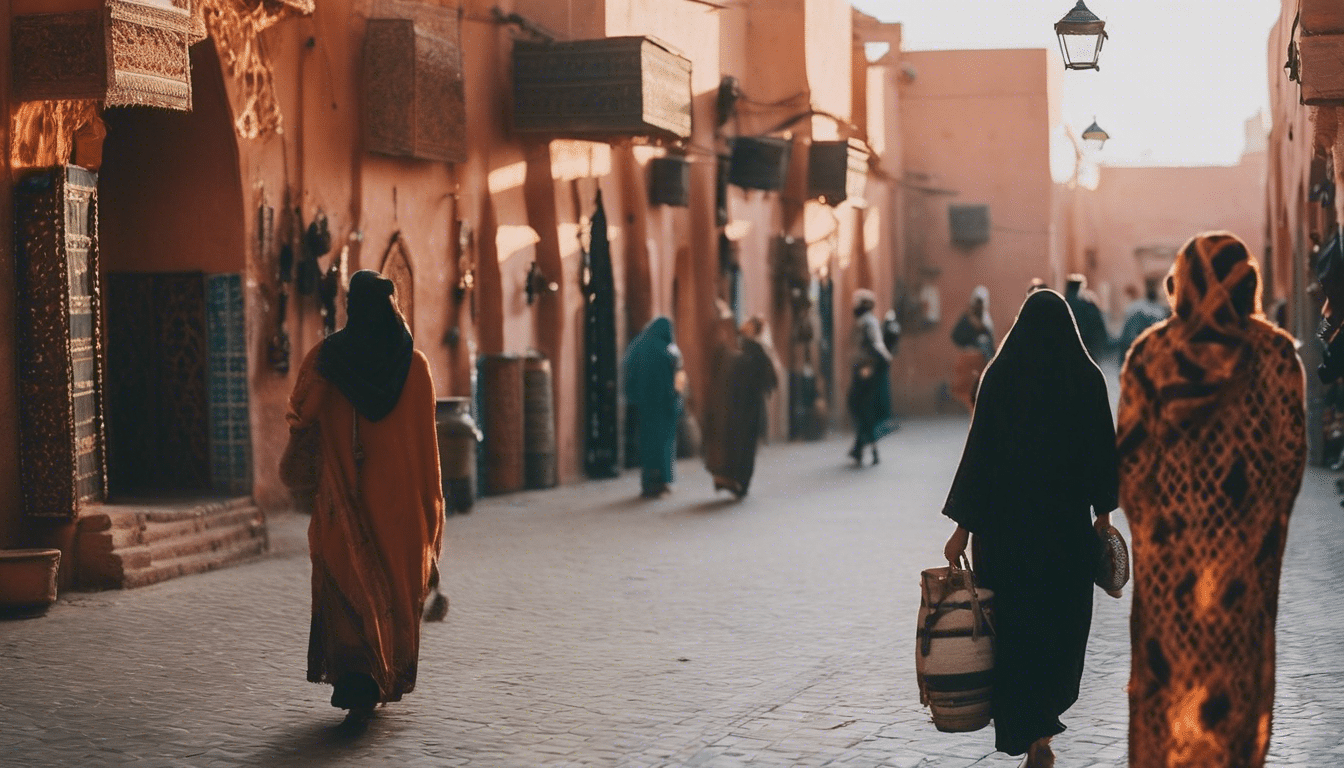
x=1178 y=77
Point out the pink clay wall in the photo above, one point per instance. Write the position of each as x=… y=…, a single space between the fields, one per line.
x=977 y=125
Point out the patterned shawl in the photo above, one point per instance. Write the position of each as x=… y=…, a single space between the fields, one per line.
x=1215 y=288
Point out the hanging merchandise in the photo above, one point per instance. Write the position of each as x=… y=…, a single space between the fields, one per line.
x=278 y=346
x=316 y=243
x=599 y=351
x=286 y=260
x=329 y=288
x=277 y=352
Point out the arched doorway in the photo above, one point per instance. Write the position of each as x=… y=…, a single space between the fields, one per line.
x=173 y=251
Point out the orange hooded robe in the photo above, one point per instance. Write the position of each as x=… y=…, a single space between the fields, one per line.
x=376 y=529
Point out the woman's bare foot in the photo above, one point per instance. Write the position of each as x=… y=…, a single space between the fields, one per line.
x=1040 y=755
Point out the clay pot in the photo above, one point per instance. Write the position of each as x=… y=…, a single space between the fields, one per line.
x=27 y=581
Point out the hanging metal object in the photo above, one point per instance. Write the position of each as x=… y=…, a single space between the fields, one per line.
x=1095 y=136
x=1081 y=34
x=537 y=284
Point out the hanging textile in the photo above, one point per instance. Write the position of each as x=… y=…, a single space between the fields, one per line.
x=599 y=351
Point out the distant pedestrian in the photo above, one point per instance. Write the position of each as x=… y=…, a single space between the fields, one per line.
x=653 y=384
x=973 y=336
x=1091 y=322
x=1039 y=457
x=727 y=349
x=744 y=374
x=1212 y=448
x=1142 y=312
x=377 y=523
x=869 y=398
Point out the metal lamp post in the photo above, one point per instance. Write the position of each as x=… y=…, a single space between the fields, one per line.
x=1095 y=136
x=1081 y=34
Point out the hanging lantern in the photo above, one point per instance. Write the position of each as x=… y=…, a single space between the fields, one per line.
x=1081 y=34
x=1095 y=136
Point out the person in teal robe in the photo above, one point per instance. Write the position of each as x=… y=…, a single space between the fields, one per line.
x=651 y=364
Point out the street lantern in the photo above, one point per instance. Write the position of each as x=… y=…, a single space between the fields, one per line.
x=1081 y=34
x=1095 y=136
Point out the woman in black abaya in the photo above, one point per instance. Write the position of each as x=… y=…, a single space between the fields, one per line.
x=1040 y=457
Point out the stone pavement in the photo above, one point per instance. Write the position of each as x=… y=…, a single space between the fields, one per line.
x=591 y=628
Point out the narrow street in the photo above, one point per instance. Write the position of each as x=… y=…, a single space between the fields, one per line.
x=591 y=628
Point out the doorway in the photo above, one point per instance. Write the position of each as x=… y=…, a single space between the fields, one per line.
x=172 y=255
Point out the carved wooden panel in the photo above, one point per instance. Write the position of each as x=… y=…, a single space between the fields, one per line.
x=414 y=104
x=125 y=52
x=1322 y=63
x=158 y=420
x=59 y=342
x=1320 y=16
x=616 y=86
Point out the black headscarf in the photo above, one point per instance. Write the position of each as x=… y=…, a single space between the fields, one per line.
x=368 y=360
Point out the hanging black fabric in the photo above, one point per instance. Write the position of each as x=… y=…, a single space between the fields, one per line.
x=599 y=347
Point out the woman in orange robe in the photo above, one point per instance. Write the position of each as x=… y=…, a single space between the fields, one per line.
x=1212 y=446
x=377 y=523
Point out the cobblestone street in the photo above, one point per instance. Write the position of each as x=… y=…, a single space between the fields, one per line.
x=591 y=628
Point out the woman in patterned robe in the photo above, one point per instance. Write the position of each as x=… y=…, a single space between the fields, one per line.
x=1212 y=448
x=377 y=524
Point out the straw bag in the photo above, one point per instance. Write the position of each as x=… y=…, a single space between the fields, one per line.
x=1113 y=563
x=954 y=648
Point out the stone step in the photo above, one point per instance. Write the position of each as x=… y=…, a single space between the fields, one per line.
x=103 y=517
x=124 y=535
x=199 y=563
x=121 y=546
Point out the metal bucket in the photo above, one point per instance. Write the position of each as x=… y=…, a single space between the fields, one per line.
x=457 y=452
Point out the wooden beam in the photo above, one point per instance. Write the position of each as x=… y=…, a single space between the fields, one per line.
x=1322 y=69
x=1321 y=16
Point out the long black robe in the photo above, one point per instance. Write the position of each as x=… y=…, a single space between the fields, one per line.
x=599 y=352
x=1040 y=454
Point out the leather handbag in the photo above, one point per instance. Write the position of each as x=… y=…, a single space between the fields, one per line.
x=1113 y=563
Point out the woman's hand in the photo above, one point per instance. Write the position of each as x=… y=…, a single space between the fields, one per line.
x=956 y=545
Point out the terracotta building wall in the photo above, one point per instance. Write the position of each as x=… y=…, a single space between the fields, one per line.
x=1305 y=146
x=514 y=200
x=1135 y=207
x=11 y=533
x=975 y=129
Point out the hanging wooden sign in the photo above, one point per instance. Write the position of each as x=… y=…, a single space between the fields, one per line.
x=615 y=86
x=414 y=104
x=836 y=171
x=120 y=52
